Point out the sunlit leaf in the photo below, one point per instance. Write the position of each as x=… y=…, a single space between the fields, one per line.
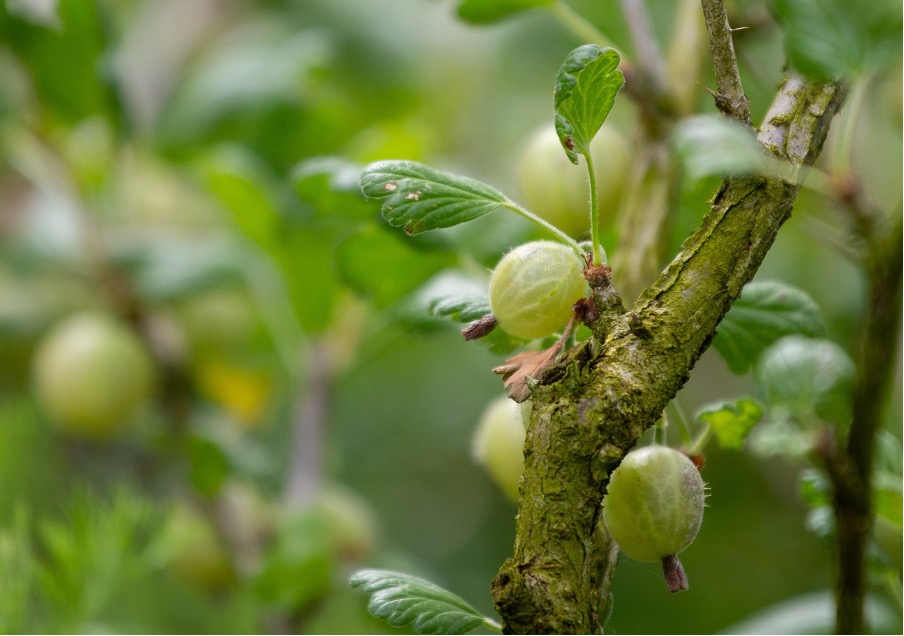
x=806 y=378
x=488 y=11
x=401 y=599
x=765 y=312
x=731 y=421
x=585 y=90
x=419 y=198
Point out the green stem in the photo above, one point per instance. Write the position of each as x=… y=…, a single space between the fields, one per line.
x=696 y=447
x=594 y=216
x=489 y=623
x=659 y=434
x=549 y=227
x=578 y=24
x=681 y=420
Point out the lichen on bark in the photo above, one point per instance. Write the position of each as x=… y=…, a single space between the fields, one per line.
x=591 y=409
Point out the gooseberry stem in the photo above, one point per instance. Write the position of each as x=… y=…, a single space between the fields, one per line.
x=594 y=217
x=546 y=225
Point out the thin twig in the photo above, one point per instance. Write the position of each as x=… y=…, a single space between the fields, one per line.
x=649 y=58
x=853 y=500
x=730 y=99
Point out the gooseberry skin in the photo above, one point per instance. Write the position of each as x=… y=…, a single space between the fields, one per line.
x=534 y=286
x=91 y=373
x=498 y=443
x=654 y=504
x=557 y=190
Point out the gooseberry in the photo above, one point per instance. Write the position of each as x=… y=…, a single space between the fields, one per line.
x=194 y=552
x=534 y=286
x=91 y=373
x=654 y=505
x=498 y=443
x=557 y=190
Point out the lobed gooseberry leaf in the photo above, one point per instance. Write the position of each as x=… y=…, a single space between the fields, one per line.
x=489 y=11
x=585 y=90
x=806 y=378
x=731 y=421
x=401 y=599
x=419 y=198
x=765 y=312
x=829 y=38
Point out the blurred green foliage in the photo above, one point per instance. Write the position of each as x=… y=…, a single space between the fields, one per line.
x=192 y=169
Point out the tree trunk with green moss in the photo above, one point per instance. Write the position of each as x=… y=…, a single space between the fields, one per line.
x=593 y=406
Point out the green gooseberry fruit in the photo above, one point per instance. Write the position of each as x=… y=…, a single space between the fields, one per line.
x=534 y=286
x=498 y=443
x=654 y=505
x=557 y=190
x=91 y=373
x=194 y=552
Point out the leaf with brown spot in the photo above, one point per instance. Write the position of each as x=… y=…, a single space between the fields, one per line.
x=418 y=198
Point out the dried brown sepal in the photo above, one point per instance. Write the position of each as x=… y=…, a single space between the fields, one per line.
x=597 y=275
x=479 y=328
x=674 y=575
x=584 y=310
x=531 y=364
x=524 y=365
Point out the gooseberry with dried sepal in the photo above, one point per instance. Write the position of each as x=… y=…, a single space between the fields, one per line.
x=654 y=507
x=534 y=286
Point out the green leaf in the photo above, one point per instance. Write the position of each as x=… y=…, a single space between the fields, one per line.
x=299 y=563
x=385 y=268
x=330 y=186
x=806 y=378
x=241 y=183
x=585 y=90
x=65 y=61
x=782 y=439
x=829 y=38
x=457 y=296
x=732 y=421
x=489 y=11
x=765 y=312
x=401 y=599
x=709 y=145
x=419 y=198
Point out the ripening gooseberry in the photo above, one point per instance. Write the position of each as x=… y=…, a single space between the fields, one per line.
x=534 y=286
x=654 y=505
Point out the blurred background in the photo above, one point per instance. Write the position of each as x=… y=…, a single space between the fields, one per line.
x=220 y=390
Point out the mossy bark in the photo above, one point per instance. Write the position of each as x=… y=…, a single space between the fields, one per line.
x=591 y=409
